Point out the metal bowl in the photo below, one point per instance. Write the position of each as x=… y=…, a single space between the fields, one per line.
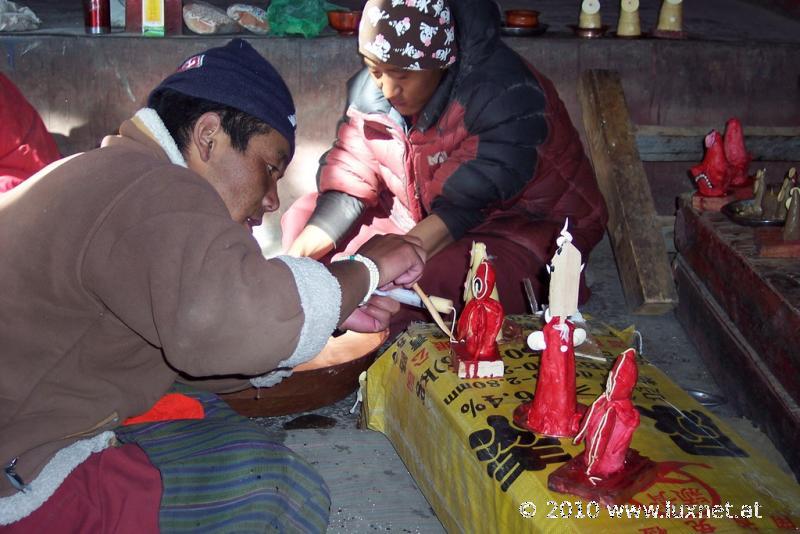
x=589 y=33
x=523 y=32
x=740 y=212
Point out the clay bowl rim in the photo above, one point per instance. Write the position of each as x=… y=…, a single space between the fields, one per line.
x=521 y=13
x=337 y=20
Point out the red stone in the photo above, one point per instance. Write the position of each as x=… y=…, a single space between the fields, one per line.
x=639 y=473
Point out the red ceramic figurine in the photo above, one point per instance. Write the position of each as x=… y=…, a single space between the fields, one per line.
x=712 y=175
x=478 y=327
x=736 y=154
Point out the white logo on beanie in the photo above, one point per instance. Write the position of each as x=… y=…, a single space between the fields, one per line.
x=192 y=63
x=293 y=119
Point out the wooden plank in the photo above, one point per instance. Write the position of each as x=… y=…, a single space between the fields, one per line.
x=736 y=366
x=637 y=241
x=666 y=143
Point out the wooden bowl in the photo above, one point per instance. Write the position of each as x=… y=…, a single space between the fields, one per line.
x=522 y=18
x=328 y=378
x=344 y=22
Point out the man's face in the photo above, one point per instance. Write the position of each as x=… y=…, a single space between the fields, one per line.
x=407 y=90
x=247 y=181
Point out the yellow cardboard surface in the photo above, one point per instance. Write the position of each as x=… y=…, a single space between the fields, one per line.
x=477 y=469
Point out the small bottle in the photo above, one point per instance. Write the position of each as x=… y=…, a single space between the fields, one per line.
x=97 y=16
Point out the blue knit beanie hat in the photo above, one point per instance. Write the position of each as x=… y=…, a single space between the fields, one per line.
x=237 y=76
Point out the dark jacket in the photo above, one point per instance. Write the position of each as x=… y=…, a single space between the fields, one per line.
x=494 y=151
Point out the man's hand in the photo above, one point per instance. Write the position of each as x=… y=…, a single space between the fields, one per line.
x=374 y=316
x=400 y=259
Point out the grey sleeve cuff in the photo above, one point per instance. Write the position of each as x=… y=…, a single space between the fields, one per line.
x=335 y=213
x=321 y=300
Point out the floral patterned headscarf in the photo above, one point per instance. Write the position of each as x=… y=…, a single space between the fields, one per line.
x=410 y=34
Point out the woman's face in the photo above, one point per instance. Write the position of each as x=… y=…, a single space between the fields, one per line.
x=406 y=90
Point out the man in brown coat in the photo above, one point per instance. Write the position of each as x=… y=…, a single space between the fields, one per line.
x=130 y=266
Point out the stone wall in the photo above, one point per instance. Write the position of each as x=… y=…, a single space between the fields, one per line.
x=84 y=87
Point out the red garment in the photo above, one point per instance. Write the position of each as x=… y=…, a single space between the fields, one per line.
x=25 y=144
x=372 y=157
x=482 y=317
x=170 y=407
x=115 y=490
x=611 y=421
x=493 y=153
x=554 y=410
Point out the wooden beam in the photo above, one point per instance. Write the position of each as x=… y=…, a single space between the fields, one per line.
x=736 y=366
x=637 y=241
x=667 y=143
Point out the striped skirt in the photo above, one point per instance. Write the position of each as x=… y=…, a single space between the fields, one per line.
x=223 y=474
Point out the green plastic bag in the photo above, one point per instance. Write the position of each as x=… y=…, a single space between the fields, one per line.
x=298 y=17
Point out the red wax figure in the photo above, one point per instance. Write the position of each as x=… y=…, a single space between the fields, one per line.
x=480 y=321
x=25 y=144
x=608 y=471
x=611 y=421
x=736 y=154
x=554 y=410
x=712 y=175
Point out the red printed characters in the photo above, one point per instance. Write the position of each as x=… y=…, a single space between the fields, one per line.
x=478 y=326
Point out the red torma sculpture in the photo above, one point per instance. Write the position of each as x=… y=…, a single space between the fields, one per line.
x=480 y=321
x=554 y=410
x=736 y=153
x=611 y=421
x=608 y=471
x=712 y=175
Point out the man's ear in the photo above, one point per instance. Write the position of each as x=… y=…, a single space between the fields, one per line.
x=204 y=133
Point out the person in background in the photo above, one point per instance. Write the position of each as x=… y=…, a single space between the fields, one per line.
x=25 y=144
x=450 y=136
x=132 y=267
